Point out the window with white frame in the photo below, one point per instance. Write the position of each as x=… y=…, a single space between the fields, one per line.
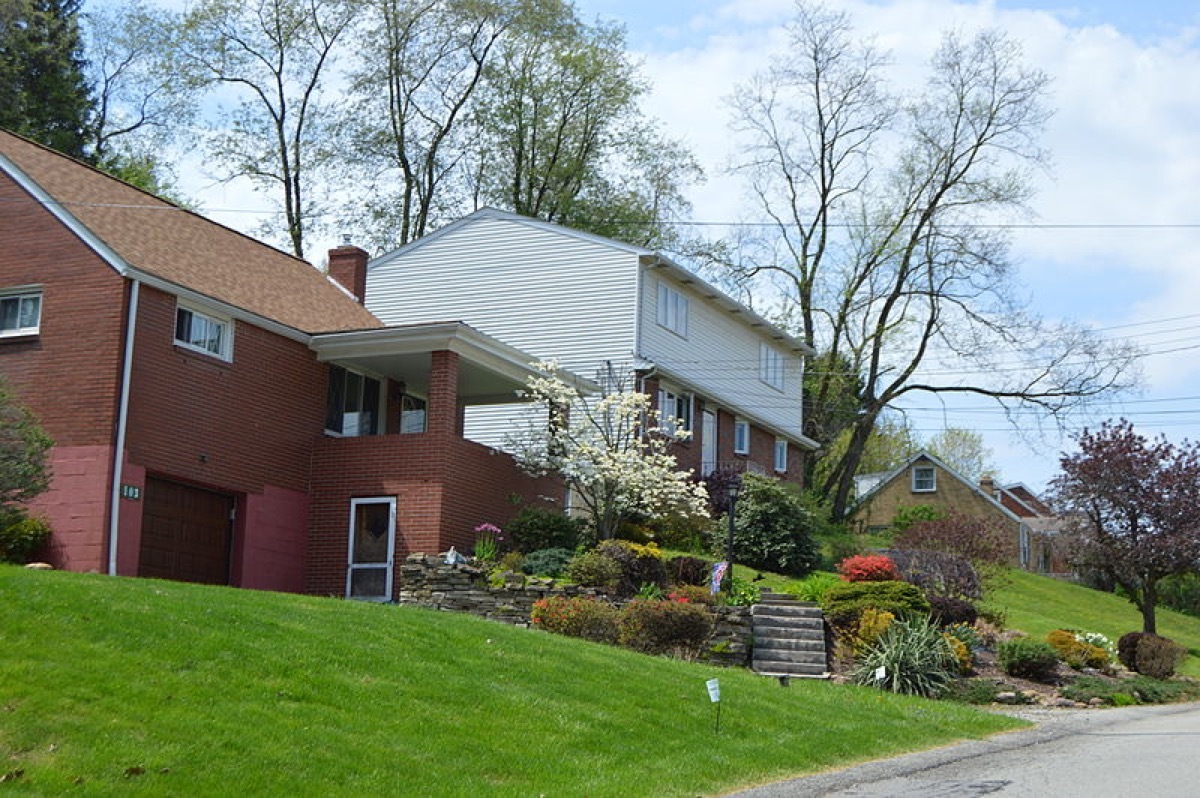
x=781 y=455
x=675 y=411
x=20 y=312
x=204 y=332
x=771 y=364
x=924 y=479
x=672 y=309
x=741 y=436
x=352 y=408
x=412 y=414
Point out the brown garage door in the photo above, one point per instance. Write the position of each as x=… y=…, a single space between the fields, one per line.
x=185 y=533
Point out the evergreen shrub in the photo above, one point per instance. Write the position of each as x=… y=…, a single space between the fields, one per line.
x=665 y=627
x=1026 y=658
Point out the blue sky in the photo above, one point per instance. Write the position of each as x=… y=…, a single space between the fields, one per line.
x=1124 y=144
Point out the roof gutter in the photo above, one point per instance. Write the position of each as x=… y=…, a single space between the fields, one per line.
x=114 y=517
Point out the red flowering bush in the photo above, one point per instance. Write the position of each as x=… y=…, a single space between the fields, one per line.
x=868 y=568
x=582 y=617
x=693 y=594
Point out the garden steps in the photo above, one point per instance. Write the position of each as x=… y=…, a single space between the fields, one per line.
x=789 y=638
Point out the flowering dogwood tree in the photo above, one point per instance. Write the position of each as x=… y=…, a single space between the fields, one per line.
x=611 y=450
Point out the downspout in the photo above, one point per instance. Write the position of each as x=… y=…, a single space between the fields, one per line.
x=114 y=517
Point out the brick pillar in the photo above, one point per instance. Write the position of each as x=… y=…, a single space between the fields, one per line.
x=348 y=265
x=443 y=419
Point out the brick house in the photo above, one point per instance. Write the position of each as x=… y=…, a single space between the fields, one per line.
x=623 y=316
x=225 y=413
x=925 y=480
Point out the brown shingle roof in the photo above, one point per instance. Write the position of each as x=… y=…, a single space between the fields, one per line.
x=186 y=249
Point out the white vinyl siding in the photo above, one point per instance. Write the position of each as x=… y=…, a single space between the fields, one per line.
x=722 y=359
x=549 y=293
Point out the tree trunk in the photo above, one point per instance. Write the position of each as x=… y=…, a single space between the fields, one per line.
x=1149 y=601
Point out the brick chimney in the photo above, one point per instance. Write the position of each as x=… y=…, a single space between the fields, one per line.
x=348 y=265
x=988 y=485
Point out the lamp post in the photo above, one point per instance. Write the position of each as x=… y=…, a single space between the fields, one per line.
x=732 y=495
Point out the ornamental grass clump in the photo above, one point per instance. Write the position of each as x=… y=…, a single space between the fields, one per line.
x=577 y=616
x=911 y=657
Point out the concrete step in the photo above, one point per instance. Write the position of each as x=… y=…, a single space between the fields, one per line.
x=765 y=627
x=784 y=611
x=789 y=644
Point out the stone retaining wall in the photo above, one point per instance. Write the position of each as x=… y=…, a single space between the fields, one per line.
x=428 y=581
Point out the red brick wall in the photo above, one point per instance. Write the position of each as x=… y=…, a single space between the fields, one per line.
x=444 y=488
x=236 y=426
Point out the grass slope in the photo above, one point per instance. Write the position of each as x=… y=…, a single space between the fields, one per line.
x=148 y=687
x=1037 y=605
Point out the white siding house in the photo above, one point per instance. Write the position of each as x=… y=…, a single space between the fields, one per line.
x=597 y=305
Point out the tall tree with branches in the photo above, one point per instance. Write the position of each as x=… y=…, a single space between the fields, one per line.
x=1132 y=506
x=879 y=245
x=272 y=56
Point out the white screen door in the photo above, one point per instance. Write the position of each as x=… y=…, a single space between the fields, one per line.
x=372 y=547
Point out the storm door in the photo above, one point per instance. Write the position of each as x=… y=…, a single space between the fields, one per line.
x=372 y=548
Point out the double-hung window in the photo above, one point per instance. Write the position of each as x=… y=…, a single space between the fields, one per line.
x=675 y=411
x=672 y=309
x=771 y=365
x=353 y=403
x=203 y=332
x=781 y=455
x=20 y=313
x=924 y=479
x=741 y=436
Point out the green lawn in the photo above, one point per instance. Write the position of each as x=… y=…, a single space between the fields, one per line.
x=1037 y=605
x=144 y=687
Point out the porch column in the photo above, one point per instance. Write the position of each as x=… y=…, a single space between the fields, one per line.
x=443 y=419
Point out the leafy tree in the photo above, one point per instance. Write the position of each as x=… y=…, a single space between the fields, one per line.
x=875 y=243
x=611 y=451
x=1132 y=506
x=43 y=90
x=271 y=56
x=24 y=470
x=964 y=451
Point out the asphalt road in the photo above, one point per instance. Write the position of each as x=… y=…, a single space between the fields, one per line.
x=1135 y=751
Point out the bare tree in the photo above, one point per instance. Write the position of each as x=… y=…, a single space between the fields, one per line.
x=879 y=245
x=273 y=56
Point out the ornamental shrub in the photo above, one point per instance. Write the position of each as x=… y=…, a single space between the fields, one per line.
x=844 y=603
x=962 y=654
x=578 y=616
x=914 y=656
x=969 y=635
x=687 y=570
x=814 y=586
x=938 y=572
x=665 y=627
x=535 y=528
x=948 y=611
x=742 y=593
x=692 y=594
x=868 y=568
x=1158 y=657
x=21 y=536
x=547 y=562
x=773 y=530
x=1127 y=649
x=1026 y=658
x=1075 y=652
x=640 y=565
x=871 y=626
x=593 y=569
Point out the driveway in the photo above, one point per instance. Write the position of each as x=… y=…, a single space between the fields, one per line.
x=1135 y=751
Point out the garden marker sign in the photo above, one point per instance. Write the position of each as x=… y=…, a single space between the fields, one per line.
x=714 y=696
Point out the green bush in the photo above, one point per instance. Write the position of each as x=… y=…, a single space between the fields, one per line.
x=772 y=528
x=814 y=586
x=1026 y=658
x=586 y=618
x=914 y=657
x=21 y=536
x=972 y=691
x=844 y=603
x=665 y=627
x=593 y=569
x=948 y=611
x=742 y=593
x=689 y=571
x=1138 y=690
x=1075 y=652
x=534 y=529
x=1158 y=657
x=547 y=562
x=640 y=565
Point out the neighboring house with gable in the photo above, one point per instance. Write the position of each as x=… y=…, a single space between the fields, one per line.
x=924 y=479
x=225 y=413
x=621 y=315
